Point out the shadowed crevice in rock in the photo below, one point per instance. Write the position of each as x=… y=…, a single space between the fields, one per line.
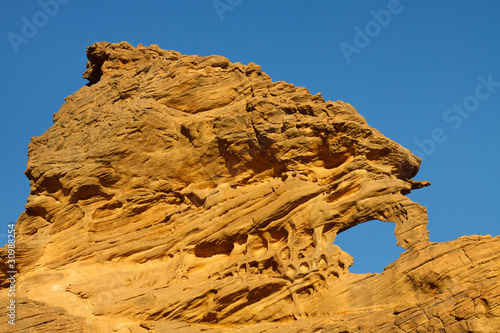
x=97 y=55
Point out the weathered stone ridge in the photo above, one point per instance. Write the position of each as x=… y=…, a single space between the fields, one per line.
x=188 y=193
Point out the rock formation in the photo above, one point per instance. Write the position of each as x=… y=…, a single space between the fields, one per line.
x=182 y=193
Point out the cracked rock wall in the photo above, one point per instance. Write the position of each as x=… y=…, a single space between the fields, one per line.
x=189 y=193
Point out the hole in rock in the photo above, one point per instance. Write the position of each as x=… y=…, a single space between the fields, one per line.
x=207 y=250
x=372 y=244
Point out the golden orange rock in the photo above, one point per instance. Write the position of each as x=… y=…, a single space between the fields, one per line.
x=182 y=193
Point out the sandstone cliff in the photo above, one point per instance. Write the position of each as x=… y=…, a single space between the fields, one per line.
x=182 y=193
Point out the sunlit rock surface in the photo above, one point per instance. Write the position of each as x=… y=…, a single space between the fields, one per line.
x=182 y=193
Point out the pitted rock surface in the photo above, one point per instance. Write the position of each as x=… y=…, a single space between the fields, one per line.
x=188 y=193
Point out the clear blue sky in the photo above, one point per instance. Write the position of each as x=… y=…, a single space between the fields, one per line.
x=413 y=75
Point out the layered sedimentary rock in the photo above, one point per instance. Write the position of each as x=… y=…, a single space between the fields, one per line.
x=188 y=193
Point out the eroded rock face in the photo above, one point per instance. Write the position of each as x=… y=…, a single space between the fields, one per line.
x=182 y=191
